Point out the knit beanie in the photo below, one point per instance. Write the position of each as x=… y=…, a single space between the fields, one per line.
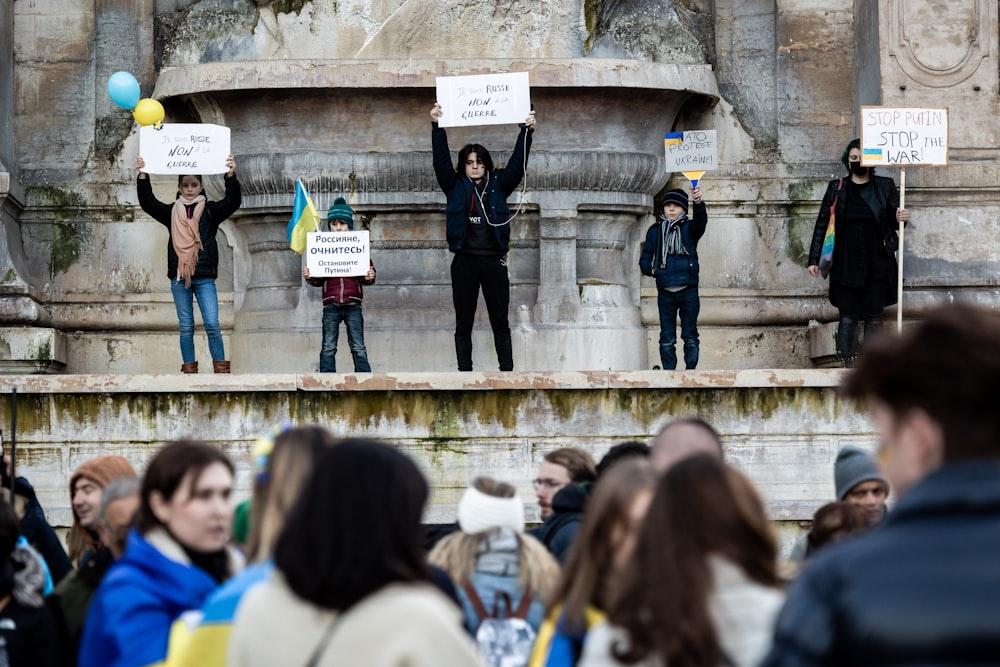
x=676 y=196
x=341 y=211
x=853 y=466
x=101 y=470
x=479 y=512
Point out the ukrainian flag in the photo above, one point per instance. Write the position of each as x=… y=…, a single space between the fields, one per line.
x=305 y=219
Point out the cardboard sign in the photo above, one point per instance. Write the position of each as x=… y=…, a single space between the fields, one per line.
x=694 y=150
x=484 y=99
x=904 y=137
x=338 y=254
x=185 y=148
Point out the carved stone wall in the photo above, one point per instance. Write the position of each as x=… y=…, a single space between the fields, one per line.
x=337 y=94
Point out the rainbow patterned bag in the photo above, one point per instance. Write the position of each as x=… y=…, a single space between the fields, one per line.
x=826 y=257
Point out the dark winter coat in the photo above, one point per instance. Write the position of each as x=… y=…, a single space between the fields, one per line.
x=460 y=190
x=849 y=263
x=214 y=214
x=40 y=535
x=919 y=589
x=559 y=531
x=680 y=269
x=342 y=290
x=28 y=627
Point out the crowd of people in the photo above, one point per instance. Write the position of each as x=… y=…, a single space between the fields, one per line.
x=658 y=554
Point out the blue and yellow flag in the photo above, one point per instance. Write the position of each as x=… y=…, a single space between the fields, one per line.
x=305 y=219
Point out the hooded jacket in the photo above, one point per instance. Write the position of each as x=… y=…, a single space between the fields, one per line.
x=560 y=529
x=140 y=597
x=214 y=215
x=460 y=189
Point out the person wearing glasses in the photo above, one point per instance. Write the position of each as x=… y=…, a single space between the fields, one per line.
x=562 y=485
x=478 y=233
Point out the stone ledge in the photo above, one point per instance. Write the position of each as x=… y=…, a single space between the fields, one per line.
x=451 y=381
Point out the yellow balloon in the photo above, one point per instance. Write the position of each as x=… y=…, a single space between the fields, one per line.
x=148 y=112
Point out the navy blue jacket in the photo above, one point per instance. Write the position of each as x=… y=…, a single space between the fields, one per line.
x=460 y=190
x=680 y=269
x=922 y=588
x=559 y=531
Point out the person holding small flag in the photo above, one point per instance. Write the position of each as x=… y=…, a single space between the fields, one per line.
x=193 y=254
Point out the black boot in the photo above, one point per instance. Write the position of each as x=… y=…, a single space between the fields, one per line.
x=847 y=341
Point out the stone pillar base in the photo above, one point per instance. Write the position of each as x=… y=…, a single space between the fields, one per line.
x=31 y=351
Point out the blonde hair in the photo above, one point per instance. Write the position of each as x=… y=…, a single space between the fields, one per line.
x=456 y=554
x=289 y=467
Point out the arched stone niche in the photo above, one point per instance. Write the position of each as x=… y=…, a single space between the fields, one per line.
x=361 y=129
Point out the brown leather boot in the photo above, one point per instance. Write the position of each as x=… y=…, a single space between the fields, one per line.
x=190 y=367
x=220 y=366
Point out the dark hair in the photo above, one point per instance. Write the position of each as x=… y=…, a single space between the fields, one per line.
x=480 y=151
x=8 y=531
x=355 y=527
x=854 y=143
x=620 y=452
x=201 y=180
x=167 y=470
x=579 y=463
x=701 y=507
x=835 y=521
x=949 y=367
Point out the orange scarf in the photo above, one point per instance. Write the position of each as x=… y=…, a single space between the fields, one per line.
x=185 y=236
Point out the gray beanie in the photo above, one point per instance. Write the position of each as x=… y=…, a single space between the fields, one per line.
x=853 y=466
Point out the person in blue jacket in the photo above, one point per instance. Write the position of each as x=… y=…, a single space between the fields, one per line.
x=478 y=232
x=670 y=254
x=174 y=559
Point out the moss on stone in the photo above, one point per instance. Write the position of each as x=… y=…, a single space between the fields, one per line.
x=289 y=6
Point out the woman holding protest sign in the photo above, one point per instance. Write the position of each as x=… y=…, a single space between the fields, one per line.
x=193 y=254
x=478 y=231
x=854 y=243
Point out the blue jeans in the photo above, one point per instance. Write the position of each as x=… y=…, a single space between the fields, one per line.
x=208 y=303
x=351 y=316
x=687 y=303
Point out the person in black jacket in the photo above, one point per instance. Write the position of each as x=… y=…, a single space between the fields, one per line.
x=670 y=254
x=921 y=588
x=863 y=275
x=478 y=231
x=193 y=254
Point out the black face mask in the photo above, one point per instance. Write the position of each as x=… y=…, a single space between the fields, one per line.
x=857 y=169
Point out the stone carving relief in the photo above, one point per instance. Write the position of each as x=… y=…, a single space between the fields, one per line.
x=941 y=44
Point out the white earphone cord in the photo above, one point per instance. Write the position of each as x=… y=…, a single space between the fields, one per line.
x=524 y=189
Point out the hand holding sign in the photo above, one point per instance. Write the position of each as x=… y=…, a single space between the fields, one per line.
x=692 y=153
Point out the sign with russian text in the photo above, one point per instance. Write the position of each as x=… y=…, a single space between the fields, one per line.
x=484 y=99
x=693 y=150
x=338 y=254
x=904 y=137
x=184 y=148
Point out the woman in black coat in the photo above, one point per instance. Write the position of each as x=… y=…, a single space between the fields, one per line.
x=863 y=275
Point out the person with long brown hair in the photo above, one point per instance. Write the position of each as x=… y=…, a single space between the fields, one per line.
x=702 y=589
x=604 y=544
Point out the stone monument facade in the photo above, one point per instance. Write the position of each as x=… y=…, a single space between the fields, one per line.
x=338 y=94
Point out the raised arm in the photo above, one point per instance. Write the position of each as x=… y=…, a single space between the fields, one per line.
x=443 y=168
x=230 y=203
x=511 y=175
x=152 y=206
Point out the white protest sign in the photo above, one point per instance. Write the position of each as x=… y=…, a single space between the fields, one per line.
x=693 y=150
x=484 y=99
x=904 y=137
x=338 y=254
x=184 y=148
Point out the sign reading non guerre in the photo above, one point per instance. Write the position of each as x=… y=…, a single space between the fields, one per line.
x=903 y=137
x=484 y=99
x=338 y=254
x=185 y=148
x=694 y=150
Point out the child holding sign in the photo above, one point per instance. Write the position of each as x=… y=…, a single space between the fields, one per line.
x=193 y=254
x=478 y=231
x=670 y=254
x=342 y=301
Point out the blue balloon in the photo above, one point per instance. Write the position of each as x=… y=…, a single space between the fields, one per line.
x=123 y=90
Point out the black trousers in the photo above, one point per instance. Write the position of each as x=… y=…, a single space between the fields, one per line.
x=469 y=273
x=863 y=304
